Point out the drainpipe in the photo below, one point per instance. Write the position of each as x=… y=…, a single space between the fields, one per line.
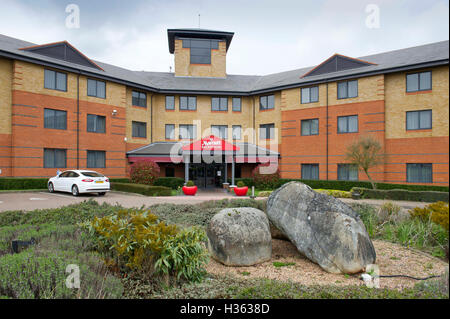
x=327 y=134
x=254 y=123
x=78 y=120
x=151 y=119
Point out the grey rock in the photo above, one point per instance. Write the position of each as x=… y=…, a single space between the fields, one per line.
x=239 y=236
x=323 y=228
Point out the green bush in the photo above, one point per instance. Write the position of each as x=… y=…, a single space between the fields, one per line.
x=147 y=190
x=144 y=172
x=171 y=182
x=120 y=180
x=264 y=193
x=22 y=183
x=436 y=212
x=190 y=183
x=401 y=194
x=335 y=193
x=265 y=181
x=240 y=184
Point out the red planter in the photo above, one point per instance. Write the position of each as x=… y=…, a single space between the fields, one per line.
x=241 y=191
x=189 y=190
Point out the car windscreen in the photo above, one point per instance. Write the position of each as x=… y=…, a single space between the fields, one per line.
x=92 y=174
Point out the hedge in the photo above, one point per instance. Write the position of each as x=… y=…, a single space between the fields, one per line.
x=171 y=182
x=142 y=189
x=120 y=180
x=401 y=194
x=347 y=185
x=22 y=183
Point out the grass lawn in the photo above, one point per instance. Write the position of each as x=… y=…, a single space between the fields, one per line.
x=62 y=238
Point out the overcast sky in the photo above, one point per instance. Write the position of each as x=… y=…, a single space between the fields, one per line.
x=270 y=36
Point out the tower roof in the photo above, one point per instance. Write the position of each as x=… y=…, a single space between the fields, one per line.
x=197 y=33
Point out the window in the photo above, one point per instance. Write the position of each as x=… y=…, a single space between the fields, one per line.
x=219 y=104
x=139 y=129
x=219 y=131
x=347 y=89
x=418 y=81
x=55 y=158
x=267 y=102
x=188 y=131
x=139 y=98
x=170 y=102
x=55 y=119
x=348 y=124
x=188 y=103
x=96 y=123
x=170 y=131
x=170 y=171
x=310 y=95
x=419 y=173
x=266 y=131
x=237 y=129
x=96 y=159
x=55 y=80
x=310 y=171
x=237 y=104
x=96 y=88
x=310 y=127
x=419 y=120
x=92 y=174
x=200 y=49
x=347 y=172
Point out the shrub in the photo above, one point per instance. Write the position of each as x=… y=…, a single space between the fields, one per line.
x=171 y=182
x=265 y=181
x=120 y=180
x=401 y=194
x=142 y=189
x=240 y=184
x=190 y=184
x=436 y=212
x=139 y=241
x=22 y=183
x=144 y=172
x=335 y=193
x=264 y=193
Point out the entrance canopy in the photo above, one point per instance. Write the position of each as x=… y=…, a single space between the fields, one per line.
x=211 y=143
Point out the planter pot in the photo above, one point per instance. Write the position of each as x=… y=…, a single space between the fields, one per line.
x=241 y=191
x=189 y=190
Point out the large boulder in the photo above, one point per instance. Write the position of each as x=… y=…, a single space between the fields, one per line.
x=239 y=236
x=323 y=228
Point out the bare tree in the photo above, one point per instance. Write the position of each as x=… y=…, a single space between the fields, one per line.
x=365 y=152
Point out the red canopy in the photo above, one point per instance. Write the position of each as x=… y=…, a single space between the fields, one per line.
x=211 y=143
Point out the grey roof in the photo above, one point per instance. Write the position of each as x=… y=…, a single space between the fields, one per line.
x=398 y=60
x=197 y=33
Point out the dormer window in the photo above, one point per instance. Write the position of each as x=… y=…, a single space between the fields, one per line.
x=200 y=49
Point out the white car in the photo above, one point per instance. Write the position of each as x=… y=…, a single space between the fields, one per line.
x=79 y=181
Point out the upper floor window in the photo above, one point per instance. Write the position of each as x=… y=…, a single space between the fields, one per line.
x=419 y=173
x=347 y=172
x=266 y=131
x=96 y=123
x=418 y=120
x=55 y=158
x=237 y=132
x=420 y=81
x=96 y=88
x=310 y=171
x=237 y=104
x=347 y=124
x=170 y=131
x=188 y=131
x=347 y=89
x=310 y=127
x=188 y=103
x=219 y=104
x=219 y=131
x=310 y=95
x=55 y=119
x=96 y=159
x=139 y=98
x=55 y=80
x=170 y=102
x=267 y=102
x=139 y=129
x=200 y=49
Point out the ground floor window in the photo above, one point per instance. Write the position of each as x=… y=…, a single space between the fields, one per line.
x=419 y=173
x=347 y=172
x=55 y=158
x=310 y=171
x=170 y=171
x=96 y=159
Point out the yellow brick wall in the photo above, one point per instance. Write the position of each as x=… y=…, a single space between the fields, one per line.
x=267 y=117
x=217 y=68
x=139 y=114
x=369 y=89
x=6 y=75
x=398 y=102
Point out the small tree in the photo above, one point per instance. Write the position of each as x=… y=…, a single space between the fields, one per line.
x=266 y=176
x=144 y=172
x=365 y=152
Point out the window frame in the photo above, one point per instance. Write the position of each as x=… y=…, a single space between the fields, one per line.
x=305 y=165
x=240 y=104
x=267 y=127
x=309 y=89
x=420 y=128
x=55 y=117
x=261 y=108
x=168 y=96
x=408 y=165
x=187 y=97
x=221 y=99
x=418 y=81
x=56 y=80
x=240 y=132
x=139 y=98
x=165 y=132
x=96 y=88
x=346 y=89
x=95 y=152
x=220 y=127
x=310 y=127
x=194 y=131
x=96 y=121
x=347 y=117
x=348 y=172
x=54 y=157
x=133 y=123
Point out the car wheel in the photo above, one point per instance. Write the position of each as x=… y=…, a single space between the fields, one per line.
x=51 y=189
x=75 y=191
x=101 y=194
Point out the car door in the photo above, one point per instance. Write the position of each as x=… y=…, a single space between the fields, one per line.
x=69 y=181
x=59 y=181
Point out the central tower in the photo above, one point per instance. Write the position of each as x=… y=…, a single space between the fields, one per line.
x=199 y=52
